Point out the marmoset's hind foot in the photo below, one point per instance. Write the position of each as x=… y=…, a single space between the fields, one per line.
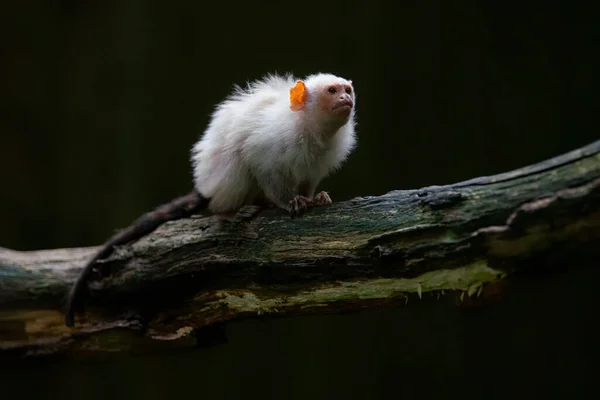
x=298 y=205
x=244 y=213
x=322 y=199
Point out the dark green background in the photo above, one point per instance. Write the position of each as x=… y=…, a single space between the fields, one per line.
x=102 y=100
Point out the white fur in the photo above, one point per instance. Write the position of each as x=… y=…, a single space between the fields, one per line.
x=256 y=147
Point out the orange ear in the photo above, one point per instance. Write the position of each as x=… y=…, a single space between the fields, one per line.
x=298 y=96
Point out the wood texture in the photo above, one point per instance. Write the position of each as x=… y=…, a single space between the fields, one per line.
x=463 y=239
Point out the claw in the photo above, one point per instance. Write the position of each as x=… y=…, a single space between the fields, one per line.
x=298 y=205
x=322 y=199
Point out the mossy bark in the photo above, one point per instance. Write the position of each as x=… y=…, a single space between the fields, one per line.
x=462 y=239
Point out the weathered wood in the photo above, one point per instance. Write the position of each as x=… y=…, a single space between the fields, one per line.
x=194 y=273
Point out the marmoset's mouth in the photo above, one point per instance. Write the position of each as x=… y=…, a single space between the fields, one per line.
x=344 y=104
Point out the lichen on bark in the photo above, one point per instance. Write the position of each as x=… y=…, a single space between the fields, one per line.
x=366 y=252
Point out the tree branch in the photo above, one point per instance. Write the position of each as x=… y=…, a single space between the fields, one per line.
x=462 y=239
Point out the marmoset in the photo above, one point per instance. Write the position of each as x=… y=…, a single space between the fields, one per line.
x=269 y=143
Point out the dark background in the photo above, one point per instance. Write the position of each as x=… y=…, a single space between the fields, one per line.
x=101 y=102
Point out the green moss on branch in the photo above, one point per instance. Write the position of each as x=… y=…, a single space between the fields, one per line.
x=365 y=252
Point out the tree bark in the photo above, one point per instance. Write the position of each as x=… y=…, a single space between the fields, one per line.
x=463 y=240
